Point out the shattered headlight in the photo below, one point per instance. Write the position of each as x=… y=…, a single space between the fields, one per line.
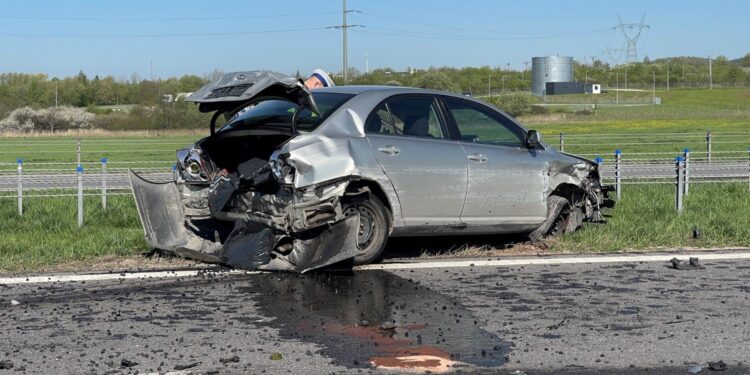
x=275 y=165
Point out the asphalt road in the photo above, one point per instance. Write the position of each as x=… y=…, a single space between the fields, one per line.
x=625 y=318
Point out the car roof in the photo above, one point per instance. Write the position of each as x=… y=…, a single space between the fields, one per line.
x=358 y=89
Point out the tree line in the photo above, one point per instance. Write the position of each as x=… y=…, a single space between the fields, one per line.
x=137 y=103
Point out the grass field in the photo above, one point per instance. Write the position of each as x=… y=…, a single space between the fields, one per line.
x=644 y=219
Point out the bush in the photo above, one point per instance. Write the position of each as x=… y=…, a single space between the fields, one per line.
x=27 y=119
x=517 y=105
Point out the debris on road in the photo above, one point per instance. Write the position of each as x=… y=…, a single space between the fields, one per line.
x=234 y=359
x=14 y=302
x=276 y=356
x=558 y=325
x=717 y=366
x=695 y=369
x=6 y=365
x=128 y=363
x=187 y=366
x=693 y=264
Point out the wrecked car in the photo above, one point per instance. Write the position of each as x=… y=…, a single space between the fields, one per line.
x=298 y=180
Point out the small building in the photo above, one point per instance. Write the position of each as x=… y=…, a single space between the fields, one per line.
x=562 y=88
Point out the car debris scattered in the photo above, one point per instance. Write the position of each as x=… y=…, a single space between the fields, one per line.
x=125 y=363
x=186 y=366
x=298 y=180
x=6 y=365
x=14 y=302
x=693 y=264
x=233 y=359
x=695 y=369
x=717 y=366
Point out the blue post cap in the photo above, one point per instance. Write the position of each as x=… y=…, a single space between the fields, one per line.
x=618 y=152
x=79 y=168
x=599 y=160
x=104 y=160
x=19 y=161
x=174 y=167
x=686 y=150
x=678 y=159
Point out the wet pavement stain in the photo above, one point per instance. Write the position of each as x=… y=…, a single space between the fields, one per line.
x=376 y=319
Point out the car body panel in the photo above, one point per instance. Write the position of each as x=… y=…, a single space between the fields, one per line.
x=506 y=185
x=424 y=171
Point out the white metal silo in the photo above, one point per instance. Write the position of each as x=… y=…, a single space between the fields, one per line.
x=550 y=69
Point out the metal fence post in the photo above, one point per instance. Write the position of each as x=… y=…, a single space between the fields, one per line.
x=78 y=151
x=678 y=187
x=20 y=186
x=79 y=171
x=618 y=174
x=562 y=142
x=686 y=181
x=104 y=183
x=708 y=146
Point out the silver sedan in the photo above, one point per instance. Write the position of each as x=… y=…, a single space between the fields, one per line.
x=299 y=180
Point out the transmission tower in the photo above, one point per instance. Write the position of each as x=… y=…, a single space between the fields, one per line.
x=632 y=31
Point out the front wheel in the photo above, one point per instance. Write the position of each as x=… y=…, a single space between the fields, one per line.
x=562 y=217
x=374 y=227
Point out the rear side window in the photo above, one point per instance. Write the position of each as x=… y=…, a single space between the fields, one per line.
x=482 y=125
x=406 y=116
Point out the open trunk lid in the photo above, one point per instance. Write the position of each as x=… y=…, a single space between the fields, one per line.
x=236 y=89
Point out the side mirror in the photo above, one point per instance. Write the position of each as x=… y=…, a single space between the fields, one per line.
x=533 y=139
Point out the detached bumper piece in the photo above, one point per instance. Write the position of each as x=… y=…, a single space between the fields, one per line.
x=251 y=243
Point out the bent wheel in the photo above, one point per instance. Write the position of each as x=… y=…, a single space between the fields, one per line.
x=372 y=233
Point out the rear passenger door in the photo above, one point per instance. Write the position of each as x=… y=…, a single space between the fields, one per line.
x=507 y=181
x=408 y=136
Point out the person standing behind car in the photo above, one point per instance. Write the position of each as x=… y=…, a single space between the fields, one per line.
x=319 y=78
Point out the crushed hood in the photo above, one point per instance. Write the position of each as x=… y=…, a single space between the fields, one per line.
x=234 y=89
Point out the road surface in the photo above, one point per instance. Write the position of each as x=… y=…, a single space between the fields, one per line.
x=599 y=315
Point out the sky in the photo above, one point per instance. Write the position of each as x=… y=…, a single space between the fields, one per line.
x=167 y=38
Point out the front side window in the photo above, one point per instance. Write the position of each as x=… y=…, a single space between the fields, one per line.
x=409 y=116
x=481 y=125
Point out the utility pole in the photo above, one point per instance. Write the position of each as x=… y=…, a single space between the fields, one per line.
x=54 y=117
x=667 y=75
x=653 y=88
x=367 y=64
x=710 y=75
x=617 y=90
x=344 y=26
x=346 y=47
x=489 y=83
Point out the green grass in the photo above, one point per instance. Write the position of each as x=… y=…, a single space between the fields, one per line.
x=645 y=218
x=48 y=232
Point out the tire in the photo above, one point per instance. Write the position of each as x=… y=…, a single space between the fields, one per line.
x=374 y=226
x=561 y=218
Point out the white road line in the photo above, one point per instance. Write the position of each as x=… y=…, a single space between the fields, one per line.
x=418 y=264
x=554 y=260
x=111 y=276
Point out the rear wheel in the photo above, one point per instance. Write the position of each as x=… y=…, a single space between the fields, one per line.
x=372 y=233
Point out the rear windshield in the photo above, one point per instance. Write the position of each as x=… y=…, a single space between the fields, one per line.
x=278 y=113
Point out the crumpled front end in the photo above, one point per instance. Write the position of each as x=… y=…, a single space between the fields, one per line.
x=579 y=180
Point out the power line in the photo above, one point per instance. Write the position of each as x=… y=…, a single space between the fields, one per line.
x=435 y=35
x=164 y=18
x=157 y=35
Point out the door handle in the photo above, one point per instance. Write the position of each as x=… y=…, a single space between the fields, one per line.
x=478 y=158
x=390 y=150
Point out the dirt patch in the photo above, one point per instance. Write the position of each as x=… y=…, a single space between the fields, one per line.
x=115 y=264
